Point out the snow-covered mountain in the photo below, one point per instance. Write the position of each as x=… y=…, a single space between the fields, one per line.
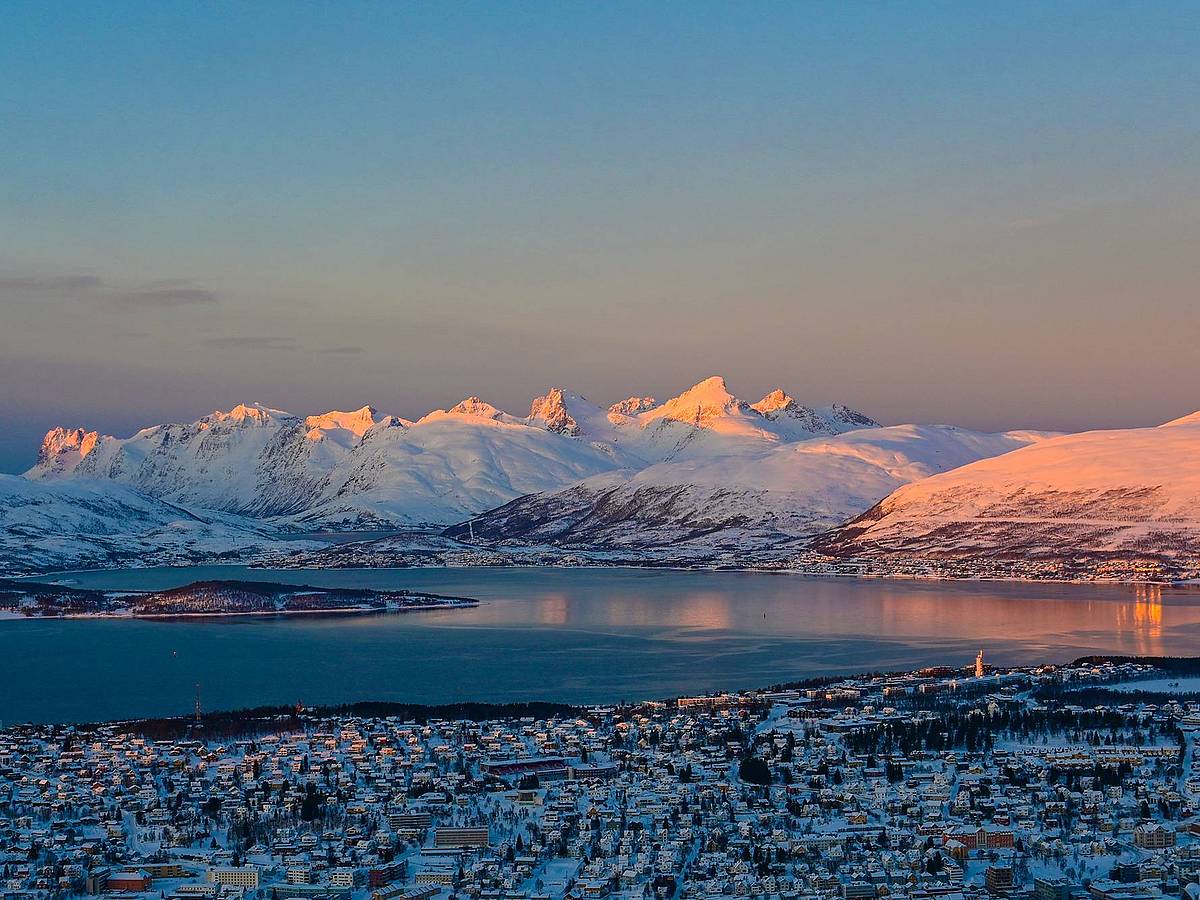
x=1121 y=502
x=448 y=465
x=707 y=420
x=704 y=420
x=360 y=468
x=252 y=460
x=755 y=499
x=339 y=468
x=80 y=522
x=702 y=476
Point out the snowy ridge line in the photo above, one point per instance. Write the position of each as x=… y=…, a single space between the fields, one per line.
x=361 y=469
x=703 y=479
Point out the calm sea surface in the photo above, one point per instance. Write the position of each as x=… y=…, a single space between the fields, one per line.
x=586 y=635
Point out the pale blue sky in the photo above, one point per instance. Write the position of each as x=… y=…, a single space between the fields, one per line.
x=980 y=213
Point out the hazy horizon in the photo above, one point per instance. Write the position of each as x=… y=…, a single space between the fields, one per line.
x=986 y=216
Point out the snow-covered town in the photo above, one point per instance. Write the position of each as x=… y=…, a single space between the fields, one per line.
x=948 y=783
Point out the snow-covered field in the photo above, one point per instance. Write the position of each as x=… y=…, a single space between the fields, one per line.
x=1187 y=685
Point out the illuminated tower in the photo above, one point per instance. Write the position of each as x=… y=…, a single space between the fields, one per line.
x=197 y=725
x=979 y=665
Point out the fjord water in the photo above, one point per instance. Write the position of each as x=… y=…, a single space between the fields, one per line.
x=580 y=635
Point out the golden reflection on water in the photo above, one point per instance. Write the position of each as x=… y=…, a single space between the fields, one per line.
x=1135 y=623
x=553 y=609
x=1145 y=620
x=701 y=610
x=1142 y=619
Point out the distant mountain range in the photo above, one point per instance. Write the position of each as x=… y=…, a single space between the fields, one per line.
x=702 y=478
x=365 y=470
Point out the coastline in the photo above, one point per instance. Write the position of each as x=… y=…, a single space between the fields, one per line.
x=6 y=616
x=56 y=575
x=1175 y=667
x=209 y=598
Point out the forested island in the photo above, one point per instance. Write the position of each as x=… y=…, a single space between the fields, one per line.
x=212 y=598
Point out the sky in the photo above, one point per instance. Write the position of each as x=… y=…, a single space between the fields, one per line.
x=978 y=213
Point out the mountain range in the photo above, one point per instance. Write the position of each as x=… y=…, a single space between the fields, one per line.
x=702 y=478
x=353 y=470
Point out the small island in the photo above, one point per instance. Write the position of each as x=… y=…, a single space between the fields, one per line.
x=212 y=599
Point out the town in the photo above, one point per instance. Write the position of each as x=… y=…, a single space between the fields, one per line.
x=1056 y=782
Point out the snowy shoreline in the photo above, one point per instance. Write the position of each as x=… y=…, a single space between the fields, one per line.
x=211 y=598
x=60 y=576
x=7 y=616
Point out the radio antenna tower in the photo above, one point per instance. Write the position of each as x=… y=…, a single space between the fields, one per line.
x=198 y=704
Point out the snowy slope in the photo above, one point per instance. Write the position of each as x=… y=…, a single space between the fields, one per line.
x=251 y=460
x=707 y=420
x=751 y=499
x=84 y=523
x=704 y=420
x=1119 y=501
x=449 y=465
x=349 y=468
x=355 y=469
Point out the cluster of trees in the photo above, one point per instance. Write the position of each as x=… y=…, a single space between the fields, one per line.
x=754 y=770
x=256 y=721
x=977 y=730
x=1105 y=696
